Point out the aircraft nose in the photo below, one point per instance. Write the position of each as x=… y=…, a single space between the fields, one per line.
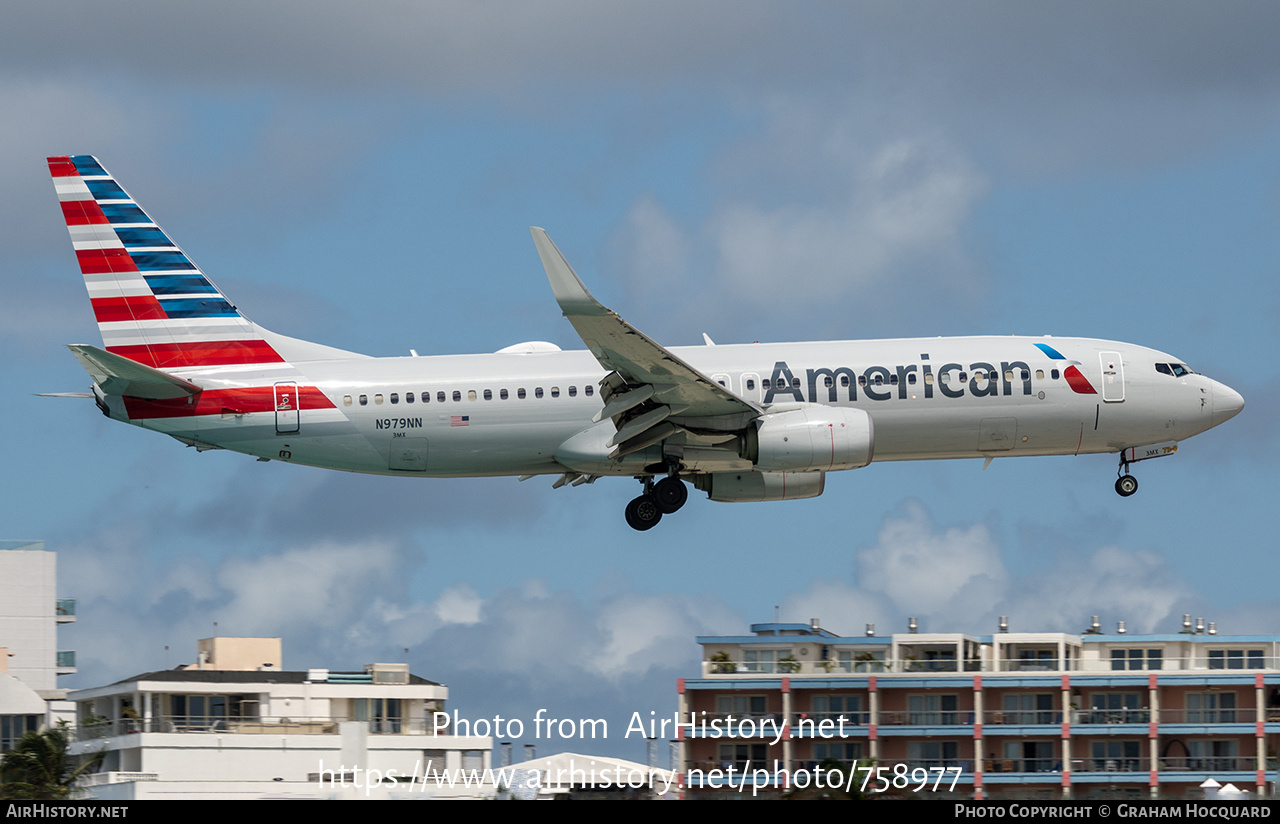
x=1227 y=403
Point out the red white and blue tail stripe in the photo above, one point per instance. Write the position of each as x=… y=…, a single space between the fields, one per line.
x=152 y=303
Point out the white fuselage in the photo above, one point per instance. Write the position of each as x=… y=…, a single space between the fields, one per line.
x=510 y=413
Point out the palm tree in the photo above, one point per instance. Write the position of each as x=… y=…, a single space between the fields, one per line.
x=38 y=768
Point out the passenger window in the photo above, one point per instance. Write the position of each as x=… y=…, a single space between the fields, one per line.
x=1026 y=374
x=408 y=397
x=364 y=400
x=928 y=379
x=862 y=380
x=1039 y=375
x=844 y=380
x=395 y=397
x=377 y=399
x=879 y=380
x=795 y=383
x=893 y=380
x=751 y=384
x=537 y=391
x=488 y=394
x=1008 y=376
x=911 y=379
x=764 y=383
x=439 y=397
x=520 y=393
x=829 y=382
x=1054 y=374
x=457 y=396
x=588 y=390
x=945 y=377
x=346 y=400
x=573 y=391
x=471 y=394
x=502 y=393
x=722 y=383
x=555 y=391
x=963 y=377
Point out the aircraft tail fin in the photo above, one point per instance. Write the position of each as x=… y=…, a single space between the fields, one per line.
x=154 y=306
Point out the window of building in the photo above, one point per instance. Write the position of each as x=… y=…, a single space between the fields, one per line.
x=1137 y=659
x=933 y=754
x=834 y=707
x=13 y=727
x=1236 y=659
x=1028 y=708
x=741 y=705
x=932 y=710
x=1117 y=708
x=741 y=755
x=1116 y=756
x=383 y=714
x=760 y=660
x=1027 y=756
x=1211 y=708
x=846 y=751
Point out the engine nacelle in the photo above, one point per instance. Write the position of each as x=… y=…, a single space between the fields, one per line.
x=760 y=486
x=808 y=437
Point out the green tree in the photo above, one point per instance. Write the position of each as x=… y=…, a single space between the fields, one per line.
x=38 y=768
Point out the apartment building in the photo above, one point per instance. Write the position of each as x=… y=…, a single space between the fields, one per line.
x=235 y=724
x=30 y=661
x=1011 y=715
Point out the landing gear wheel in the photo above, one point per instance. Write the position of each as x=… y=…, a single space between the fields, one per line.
x=670 y=494
x=643 y=513
x=1126 y=485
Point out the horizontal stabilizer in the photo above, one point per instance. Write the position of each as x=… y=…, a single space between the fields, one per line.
x=120 y=376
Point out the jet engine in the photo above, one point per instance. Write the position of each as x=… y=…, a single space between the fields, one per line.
x=806 y=437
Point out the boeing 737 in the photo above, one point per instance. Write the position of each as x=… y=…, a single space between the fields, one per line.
x=754 y=422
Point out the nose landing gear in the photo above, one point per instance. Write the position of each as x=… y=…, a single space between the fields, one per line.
x=1126 y=484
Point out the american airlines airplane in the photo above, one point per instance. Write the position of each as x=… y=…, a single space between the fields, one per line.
x=755 y=422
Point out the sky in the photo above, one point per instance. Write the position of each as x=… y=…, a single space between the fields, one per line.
x=365 y=176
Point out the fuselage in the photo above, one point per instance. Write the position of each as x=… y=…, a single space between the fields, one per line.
x=511 y=413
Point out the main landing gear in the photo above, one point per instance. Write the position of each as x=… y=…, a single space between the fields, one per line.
x=661 y=498
x=1126 y=484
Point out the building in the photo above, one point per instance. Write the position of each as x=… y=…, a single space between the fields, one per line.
x=30 y=661
x=1023 y=715
x=237 y=725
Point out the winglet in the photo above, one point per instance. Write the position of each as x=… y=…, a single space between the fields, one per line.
x=571 y=294
x=122 y=376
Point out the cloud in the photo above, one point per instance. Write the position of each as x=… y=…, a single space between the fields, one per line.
x=954 y=580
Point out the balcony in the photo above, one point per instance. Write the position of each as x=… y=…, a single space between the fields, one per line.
x=65 y=662
x=266 y=725
x=892 y=666
x=65 y=610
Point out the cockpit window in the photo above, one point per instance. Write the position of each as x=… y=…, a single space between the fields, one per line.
x=1177 y=370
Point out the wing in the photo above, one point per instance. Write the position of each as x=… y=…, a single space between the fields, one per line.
x=649 y=392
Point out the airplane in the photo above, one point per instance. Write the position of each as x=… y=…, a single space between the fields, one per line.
x=751 y=422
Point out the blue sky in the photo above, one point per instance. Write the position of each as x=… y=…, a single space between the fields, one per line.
x=365 y=178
